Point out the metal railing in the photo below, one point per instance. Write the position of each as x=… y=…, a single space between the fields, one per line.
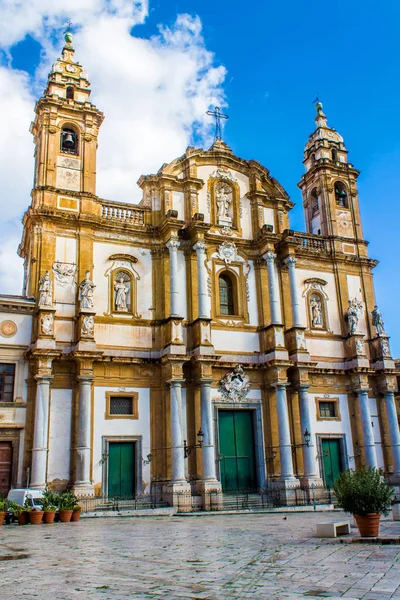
x=118 y=503
x=121 y=213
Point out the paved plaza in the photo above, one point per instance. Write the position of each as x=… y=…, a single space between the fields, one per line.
x=208 y=557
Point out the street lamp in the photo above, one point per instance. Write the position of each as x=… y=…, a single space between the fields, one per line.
x=187 y=449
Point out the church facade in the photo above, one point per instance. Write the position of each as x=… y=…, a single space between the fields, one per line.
x=192 y=343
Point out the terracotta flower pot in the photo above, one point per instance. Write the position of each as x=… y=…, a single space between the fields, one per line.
x=36 y=516
x=76 y=515
x=368 y=525
x=23 y=518
x=65 y=515
x=2 y=517
x=48 y=516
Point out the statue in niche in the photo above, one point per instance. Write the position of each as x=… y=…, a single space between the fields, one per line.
x=316 y=311
x=377 y=321
x=223 y=194
x=121 y=292
x=45 y=289
x=86 y=289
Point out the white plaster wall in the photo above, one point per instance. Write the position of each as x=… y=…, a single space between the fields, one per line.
x=101 y=253
x=245 y=218
x=269 y=217
x=204 y=173
x=120 y=427
x=252 y=292
x=354 y=288
x=325 y=348
x=178 y=203
x=64 y=331
x=123 y=335
x=373 y=406
x=236 y=341
x=182 y=295
x=66 y=249
x=60 y=434
x=316 y=224
x=23 y=335
x=329 y=289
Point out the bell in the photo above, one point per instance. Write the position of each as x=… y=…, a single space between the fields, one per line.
x=68 y=140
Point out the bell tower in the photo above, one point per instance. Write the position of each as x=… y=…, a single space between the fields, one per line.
x=330 y=197
x=65 y=133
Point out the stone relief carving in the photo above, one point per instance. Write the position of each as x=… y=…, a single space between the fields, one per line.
x=8 y=328
x=222 y=174
x=223 y=197
x=86 y=290
x=377 y=321
x=87 y=329
x=227 y=252
x=234 y=386
x=64 y=273
x=47 y=323
x=360 y=345
x=385 y=347
x=314 y=283
x=355 y=310
x=45 y=290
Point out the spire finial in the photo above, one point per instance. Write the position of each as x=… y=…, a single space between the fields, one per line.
x=218 y=116
x=320 y=119
x=68 y=37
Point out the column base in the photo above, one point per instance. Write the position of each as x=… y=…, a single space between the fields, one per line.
x=394 y=479
x=211 y=494
x=83 y=489
x=312 y=480
x=179 y=494
x=286 y=491
x=37 y=486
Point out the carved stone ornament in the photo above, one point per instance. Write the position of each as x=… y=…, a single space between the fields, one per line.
x=227 y=252
x=87 y=328
x=47 y=323
x=222 y=174
x=8 y=328
x=355 y=310
x=385 y=347
x=45 y=290
x=315 y=284
x=64 y=273
x=360 y=345
x=235 y=386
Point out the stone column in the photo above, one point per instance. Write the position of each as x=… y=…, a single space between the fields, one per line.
x=285 y=445
x=173 y=246
x=309 y=452
x=291 y=261
x=208 y=448
x=394 y=434
x=367 y=431
x=83 y=484
x=178 y=457
x=273 y=288
x=204 y=304
x=41 y=433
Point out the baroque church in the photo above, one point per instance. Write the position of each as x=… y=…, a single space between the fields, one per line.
x=193 y=343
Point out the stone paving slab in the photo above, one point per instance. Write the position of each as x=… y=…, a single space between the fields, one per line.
x=260 y=556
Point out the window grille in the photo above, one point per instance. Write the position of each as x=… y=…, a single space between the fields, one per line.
x=327 y=410
x=121 y=405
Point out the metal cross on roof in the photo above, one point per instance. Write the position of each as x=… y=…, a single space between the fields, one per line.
x=218 y=116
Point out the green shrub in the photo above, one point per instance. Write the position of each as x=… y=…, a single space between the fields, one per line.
x=51 y=498
x=68 y=501
x=363 y=491
x=3 y=504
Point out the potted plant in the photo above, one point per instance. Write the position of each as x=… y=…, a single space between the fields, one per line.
x=76 y=512
x=68 y=501
x=49 y=512
x=3 y=509
x=35 y=516
x=18 y=512
x=366 y=495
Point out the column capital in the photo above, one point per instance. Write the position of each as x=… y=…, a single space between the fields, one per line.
x=43 y=378
x=200 y=246
x=173 y=245
x=85 y=378
x=269 y=257
x=290 y=261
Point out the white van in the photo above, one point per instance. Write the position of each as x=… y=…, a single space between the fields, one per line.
x=31 y=497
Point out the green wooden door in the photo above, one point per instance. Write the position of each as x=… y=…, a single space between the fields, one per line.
x=236 y=448
x=121 y=469
x=331 y=460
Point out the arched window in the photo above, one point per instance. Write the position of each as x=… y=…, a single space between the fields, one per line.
x=70 y=93
x=334 y=155
x=69 y=141
x=122 y=292
x=314 y=201
x=341 y=194
x=226 y=296
x=313 y=159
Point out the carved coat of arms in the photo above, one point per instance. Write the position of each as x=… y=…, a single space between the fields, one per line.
x=234 y=386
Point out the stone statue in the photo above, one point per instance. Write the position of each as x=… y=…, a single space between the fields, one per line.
x=45 y=289
x=352 y=317
x=121 y=294
x=234 y=386
x=86 y=289
x=377 y=321
x=47 y=324
x=224 y=199
x=88 y=326
x=316 y=311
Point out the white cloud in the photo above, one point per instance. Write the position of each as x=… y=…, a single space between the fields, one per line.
x=153 y=93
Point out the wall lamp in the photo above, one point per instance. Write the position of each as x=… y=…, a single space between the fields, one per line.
x=148 y=459
x=307 y=440
x=188 y=449
x=272 y=457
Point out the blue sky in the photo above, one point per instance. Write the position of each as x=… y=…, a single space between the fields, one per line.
x=278 y=57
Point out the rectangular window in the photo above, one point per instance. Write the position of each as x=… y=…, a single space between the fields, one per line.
x=327 y=410
x=122 y=405
x=7 y=376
